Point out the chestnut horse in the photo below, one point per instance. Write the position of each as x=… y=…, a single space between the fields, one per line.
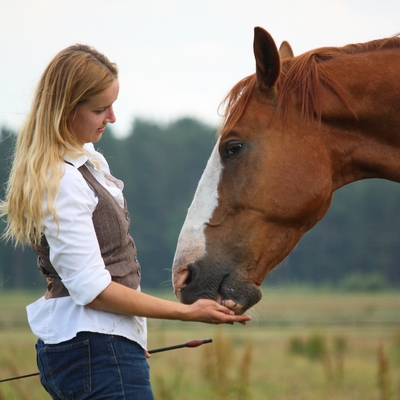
x=293 y=133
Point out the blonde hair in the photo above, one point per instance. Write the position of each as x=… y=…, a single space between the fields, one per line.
x=74 y=75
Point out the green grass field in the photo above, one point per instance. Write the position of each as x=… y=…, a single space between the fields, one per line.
x=301 y=344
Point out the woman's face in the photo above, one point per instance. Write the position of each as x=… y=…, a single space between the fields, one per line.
x=89 y=121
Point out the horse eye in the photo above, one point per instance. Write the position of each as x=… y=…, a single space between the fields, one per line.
x=232 y=148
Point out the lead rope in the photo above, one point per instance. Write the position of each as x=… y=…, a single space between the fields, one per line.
x=191 y=343
x=19 y=377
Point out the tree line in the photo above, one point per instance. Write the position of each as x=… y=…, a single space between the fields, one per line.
x=161 y=166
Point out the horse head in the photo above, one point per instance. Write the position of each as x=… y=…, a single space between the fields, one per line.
x=270 y=178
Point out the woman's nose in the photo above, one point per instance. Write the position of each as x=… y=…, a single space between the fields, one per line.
x=110 y=118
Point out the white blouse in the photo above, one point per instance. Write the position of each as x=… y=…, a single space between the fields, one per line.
x=76 y=256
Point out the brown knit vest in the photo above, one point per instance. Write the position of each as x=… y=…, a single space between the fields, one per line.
x=117 y=247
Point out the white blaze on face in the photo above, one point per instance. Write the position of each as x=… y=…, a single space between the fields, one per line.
x=191 y=242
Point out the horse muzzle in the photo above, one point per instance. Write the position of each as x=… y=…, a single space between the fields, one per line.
x=223 y=285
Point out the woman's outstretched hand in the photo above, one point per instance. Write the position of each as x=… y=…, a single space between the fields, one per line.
x=209 y=311
x=121 y=299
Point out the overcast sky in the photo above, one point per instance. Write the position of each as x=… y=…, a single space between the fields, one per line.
x=176 y=57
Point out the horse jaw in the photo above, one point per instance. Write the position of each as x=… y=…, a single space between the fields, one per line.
x=191 y=241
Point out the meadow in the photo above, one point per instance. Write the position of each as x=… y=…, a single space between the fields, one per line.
x=302 y=344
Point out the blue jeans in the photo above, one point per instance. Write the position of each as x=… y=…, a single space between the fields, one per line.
x=94 y=366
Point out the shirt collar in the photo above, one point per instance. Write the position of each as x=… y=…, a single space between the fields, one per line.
x=77 y=162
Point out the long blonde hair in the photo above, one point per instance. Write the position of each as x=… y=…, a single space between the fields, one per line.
x=74 y=75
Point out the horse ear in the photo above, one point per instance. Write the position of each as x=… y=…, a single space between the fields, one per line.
x=285 y=51
x=267 y=59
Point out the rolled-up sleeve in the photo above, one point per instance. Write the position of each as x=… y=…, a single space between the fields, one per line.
x=74 y=249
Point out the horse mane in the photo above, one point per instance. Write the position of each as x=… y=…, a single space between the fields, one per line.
x=301 y=76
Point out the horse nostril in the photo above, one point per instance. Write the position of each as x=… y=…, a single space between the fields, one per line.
x=189 y=276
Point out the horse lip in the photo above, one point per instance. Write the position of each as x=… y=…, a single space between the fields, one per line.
x=237 y=308
x=220 y=299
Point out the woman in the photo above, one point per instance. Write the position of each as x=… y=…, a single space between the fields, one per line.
x=62 y=200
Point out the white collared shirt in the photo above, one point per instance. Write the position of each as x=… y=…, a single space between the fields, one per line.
x=76 y=256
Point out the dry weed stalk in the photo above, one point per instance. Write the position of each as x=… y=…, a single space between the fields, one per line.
x=340 y=346
x=218 y=365
x=383 y=374
x=244 y=379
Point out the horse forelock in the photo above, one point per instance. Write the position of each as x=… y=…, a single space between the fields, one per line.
x=300 y=76
x=235 y=103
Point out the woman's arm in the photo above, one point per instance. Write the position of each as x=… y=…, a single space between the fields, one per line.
x=123 y=300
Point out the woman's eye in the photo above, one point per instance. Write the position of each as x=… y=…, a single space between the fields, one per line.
x=232 y=148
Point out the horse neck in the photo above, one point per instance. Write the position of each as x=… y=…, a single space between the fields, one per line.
x=363 y=130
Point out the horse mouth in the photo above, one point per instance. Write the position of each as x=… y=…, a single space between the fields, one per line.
x=237 y=308
x=183 y=286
